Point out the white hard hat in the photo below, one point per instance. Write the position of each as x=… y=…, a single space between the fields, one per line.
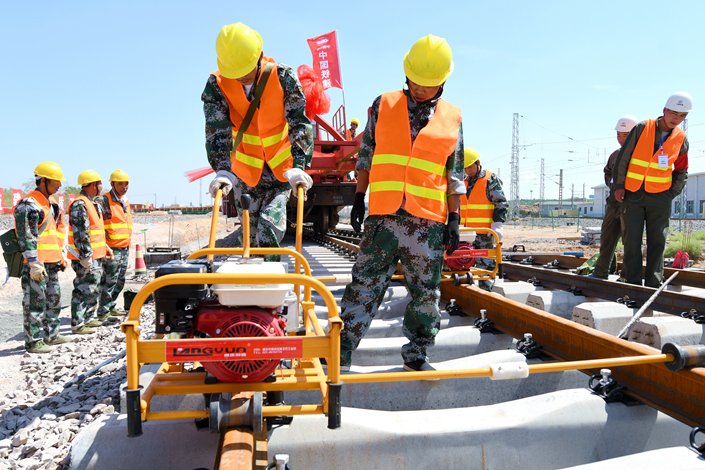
x=626 y=123
x=680 y=102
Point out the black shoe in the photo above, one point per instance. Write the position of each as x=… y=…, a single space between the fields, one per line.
x=419 y=365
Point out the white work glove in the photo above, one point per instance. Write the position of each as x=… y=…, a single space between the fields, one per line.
x=497 y=227
x=297 y=176
x=37 y=271
x=86 y=262
x=223 y=180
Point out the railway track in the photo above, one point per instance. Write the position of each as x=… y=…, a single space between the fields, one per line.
x=678 y=394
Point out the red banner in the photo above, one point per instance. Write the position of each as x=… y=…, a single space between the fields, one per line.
x=324 y=49
x=16 y=196
x=60 y=198
x=2 y=198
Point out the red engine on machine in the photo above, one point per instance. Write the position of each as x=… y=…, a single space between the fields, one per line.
x=462 y=259
x=236 y=322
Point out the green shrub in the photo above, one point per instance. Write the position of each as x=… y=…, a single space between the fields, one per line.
x=692 y=246
x=699 y=235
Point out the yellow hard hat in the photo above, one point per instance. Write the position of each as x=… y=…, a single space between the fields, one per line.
x=471 y=156
x=119 y=176
x=88 y=177
x=238 y=49
x=355 y=121
x=429 y=62
x=49 y=170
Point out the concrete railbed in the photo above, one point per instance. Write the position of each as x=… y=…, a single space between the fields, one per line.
x=554 y=430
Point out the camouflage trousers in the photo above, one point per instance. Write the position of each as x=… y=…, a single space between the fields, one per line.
x=484 y=241
x=86 y=290
x=41 y=304
x=113 y=279
x=387 y=239
x=267 y=217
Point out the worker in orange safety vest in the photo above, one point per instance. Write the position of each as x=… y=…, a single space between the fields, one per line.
x=39 y=243
x=258 y=138
x=411 y=160
x=86 y=250
x=484 y=205
x=652 y=168
x=118 y=235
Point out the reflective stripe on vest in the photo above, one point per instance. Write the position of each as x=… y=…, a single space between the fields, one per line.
x=118 y=228
x=96 y=232
x=415 y=174
x=48 y=243
x=643 y=166
x=476 y=210
x=266 y=137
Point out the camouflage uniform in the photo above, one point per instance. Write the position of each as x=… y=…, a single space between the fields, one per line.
x=86 y=291
x=611 y=229
x=41 y=299
x=269 y=197
x=114 y=270
x=416 y=242
x=495 y=194
x=113 y=279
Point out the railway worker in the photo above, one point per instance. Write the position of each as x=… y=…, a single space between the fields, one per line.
x=273 y=148
x=35 y=225
x=483 y=205
x=651 y=170
x=352 y=131
x=611 y=222
x=86 y=250
x=118 y=234
x=411 y=158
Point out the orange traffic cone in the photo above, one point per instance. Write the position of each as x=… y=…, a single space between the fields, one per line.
x=140 y=267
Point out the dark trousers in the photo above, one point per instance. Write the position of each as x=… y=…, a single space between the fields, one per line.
x=609 y=236
x=653 y=211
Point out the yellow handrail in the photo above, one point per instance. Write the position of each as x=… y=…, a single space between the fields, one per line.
x=214 y=221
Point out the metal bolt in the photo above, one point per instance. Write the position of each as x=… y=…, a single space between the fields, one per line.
x=606 y=376
x=528 y=336
x=483 y=314
x=217 y=331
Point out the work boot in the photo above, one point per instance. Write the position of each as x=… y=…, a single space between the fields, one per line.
x=83 y=330
x=40 y=347
x=94 y=323
x=419 y=365
x=117 y=312
x=58 y=339
x=104 y=317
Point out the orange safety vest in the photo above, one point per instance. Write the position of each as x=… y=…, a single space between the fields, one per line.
x=414 y=173
x=60 y=225
x=48 y=247
x=476 y=210
x=96 y=232
x=643 y=166
x=267 y=136
x=118 y=228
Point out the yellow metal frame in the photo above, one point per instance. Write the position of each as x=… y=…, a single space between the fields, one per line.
x=306 y=372
x=479 y=274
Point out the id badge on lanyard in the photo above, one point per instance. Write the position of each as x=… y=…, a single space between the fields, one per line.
x=662 y=159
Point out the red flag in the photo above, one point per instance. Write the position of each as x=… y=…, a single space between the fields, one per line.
x=324 y=49
x=2 y=198
x=61 y=198
x=16 y=196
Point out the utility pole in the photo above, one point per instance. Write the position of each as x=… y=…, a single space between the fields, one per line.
x=541 y=182
x=560 y=191
x=572 y=194
x=514 y=187
x=583 y=191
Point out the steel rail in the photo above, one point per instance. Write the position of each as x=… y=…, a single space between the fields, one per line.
x=679 y=394
x=686 y=277
x=668 y=301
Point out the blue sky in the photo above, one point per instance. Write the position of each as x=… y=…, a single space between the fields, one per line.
x=108 y=85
